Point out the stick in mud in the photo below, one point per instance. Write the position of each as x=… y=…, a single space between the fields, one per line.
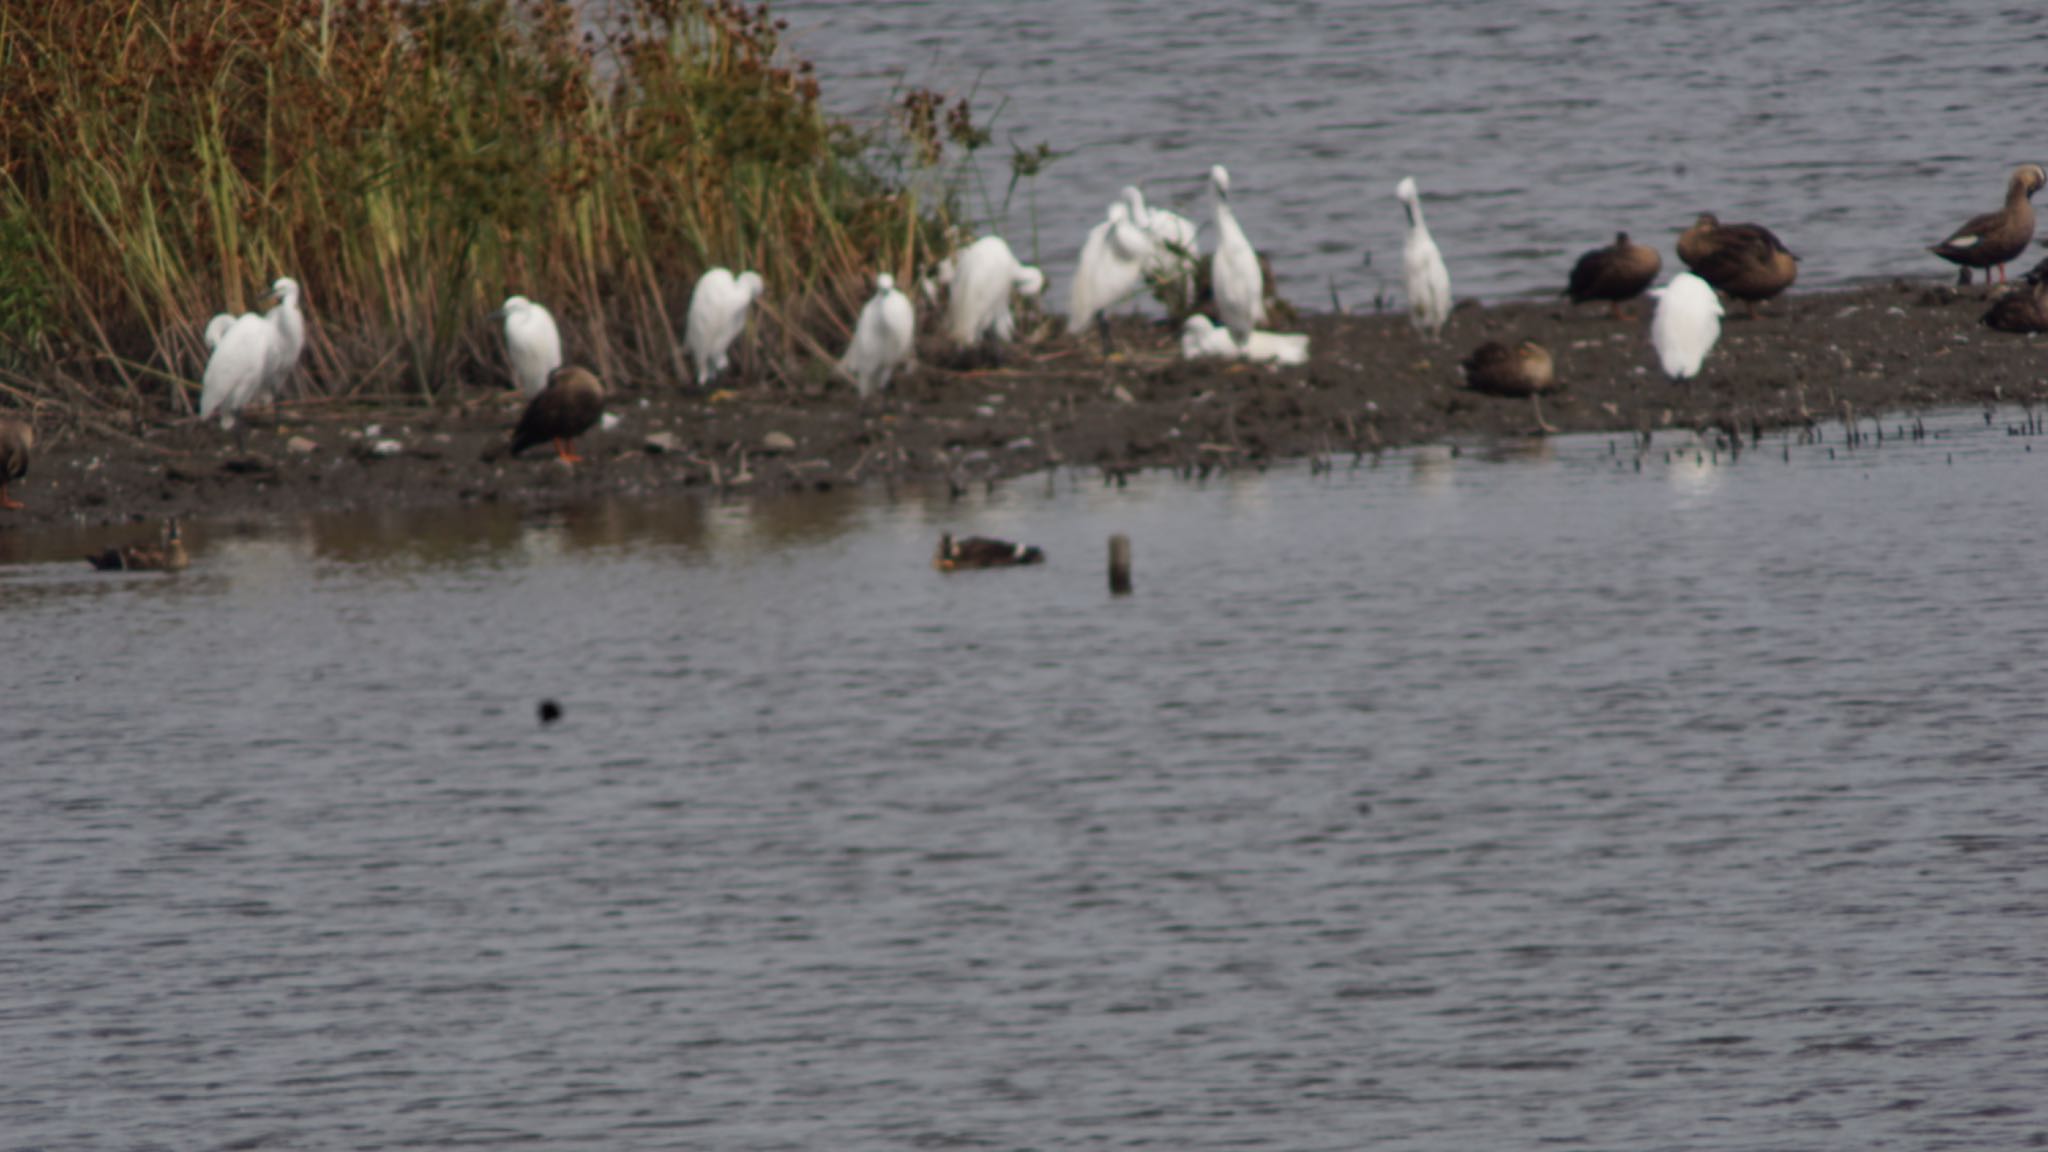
x=1120 y=565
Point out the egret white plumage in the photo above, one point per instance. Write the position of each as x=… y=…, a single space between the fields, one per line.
x=718 y=314
x=984 y=276
x=1174 y=250
x=252 y=355
x=1234 y=276
x=882 y=338
x=1110 y=270
x=1201 y=339
x=217 y=328
x=1687 y=323
x=532 y=343
x=1427 y=280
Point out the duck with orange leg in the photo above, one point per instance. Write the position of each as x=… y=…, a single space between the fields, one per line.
x=170 y=556
x=982 y=552
x=17 y=441
x=1990 y=240
x=570 y=405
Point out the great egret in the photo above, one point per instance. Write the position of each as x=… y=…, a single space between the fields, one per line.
x=1990 y=240
x=983 y=552
x=1201 y=339
x=1110 y=270
x=984 y=275
x=1422 y=267
x=1621 y=271
x=718 y=314
x=252 y=356
x=1234 y=275
x=532 y=343
x=571 y=404
x=882 y=338
x=1687 y=323
x=1747 y=261
x=17 y=441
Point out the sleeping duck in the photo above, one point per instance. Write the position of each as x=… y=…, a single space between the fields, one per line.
x=17 y=440
x=170 y=557
x=1494 y=369
x=1747 y=261
x=1988 y=241
x=571 y=404
x=2025 y=308
x=1621 y=271
x=982 y=552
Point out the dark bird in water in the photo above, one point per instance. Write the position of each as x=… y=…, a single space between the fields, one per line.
x=170 y=557
x=982 y=552
x=1747 y=261
x=1621 y=271
x=17 y=440
x=2025 y=308
x=570 y=405
x=1988 y=241
x=550 y=711
x=1494 y=369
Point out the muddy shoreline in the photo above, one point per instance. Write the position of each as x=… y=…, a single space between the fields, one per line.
x=1883 y=351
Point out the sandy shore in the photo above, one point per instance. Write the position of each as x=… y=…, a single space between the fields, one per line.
x=1372 y=383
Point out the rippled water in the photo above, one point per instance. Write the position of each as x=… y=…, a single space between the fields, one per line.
x=1861 y=131
x=1442 y=803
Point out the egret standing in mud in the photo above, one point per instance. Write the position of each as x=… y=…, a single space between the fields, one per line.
x=1234 y=276
x=1687 y=323
x=1110 y=270
x=252 y=356
x=1427 y=280
x=882 y=338
x=718 y=314
x=1174 y=248
x=532 y=342
x=985 y=274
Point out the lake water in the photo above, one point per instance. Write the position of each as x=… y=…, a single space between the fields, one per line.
x=1861 y=131
x=1444 y=802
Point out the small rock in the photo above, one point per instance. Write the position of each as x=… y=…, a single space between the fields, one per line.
x=1123 y=395
x=373 y=431
x=775 y=442
x=662 y=443
x=386 y=448
x=988 y=413
x=301 y=445
x=610 y=421
x=1021 y=444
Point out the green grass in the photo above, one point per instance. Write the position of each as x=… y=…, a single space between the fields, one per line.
x=412 y=163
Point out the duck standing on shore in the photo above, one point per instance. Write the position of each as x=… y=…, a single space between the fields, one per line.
x=570 y=405
x=882 y=338
x=1426 y=279
x=17 y=441
x=1747 y=261
x=718 y=315
x=985 y=276
x=1621 y=271
x=1687 y=323
x=1234 y=275
x=169 y=557
x=982 y=552
x=532 y=343
x=1990 y=240
x=1494 y=369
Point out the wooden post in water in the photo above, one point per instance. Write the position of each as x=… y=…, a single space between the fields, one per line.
x=1119 y=565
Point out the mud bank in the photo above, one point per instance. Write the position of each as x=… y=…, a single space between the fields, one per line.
x=1372 y=383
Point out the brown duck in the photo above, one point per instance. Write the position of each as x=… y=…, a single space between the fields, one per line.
x=570 y=405
x=1988 y=241
x=1747 y=261
x=2025 y=308
x=1621 y=271
x=982 y=552
x=17 y=441
x=171 y=557
x=1494 y=369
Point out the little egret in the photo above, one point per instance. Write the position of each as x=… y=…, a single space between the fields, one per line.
x=532 y=343
x=1234 y=274
x=718 y=314
x=252 y=355
x=1422 y=266
x=882 y=338
x=1202 y=339
x=984 y=275
x=1687 y=323
x=1110 y=270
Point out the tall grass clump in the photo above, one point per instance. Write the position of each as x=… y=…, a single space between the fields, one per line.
x=411 y=163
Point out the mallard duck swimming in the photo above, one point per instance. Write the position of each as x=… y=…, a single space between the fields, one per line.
x=1621 y=271
x=1988 y=241
x=1494 y=369
x=17 y=440
x=1747 y=261
x=570 y=405
x=982 y=552
x=170 y=557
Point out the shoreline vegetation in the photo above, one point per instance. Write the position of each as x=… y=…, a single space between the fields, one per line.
x=414 y=164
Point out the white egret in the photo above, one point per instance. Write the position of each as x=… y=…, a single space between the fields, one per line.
x=1687 y=323
x=882 y=338
x=1174 y=249
x=252 y=355
x=217 y=328
x=1234 y=277
x=1111 y=269
x=718 y=314
x=984 y=275
x=1427 y=280
x=1202 y=339
x=532 y=343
